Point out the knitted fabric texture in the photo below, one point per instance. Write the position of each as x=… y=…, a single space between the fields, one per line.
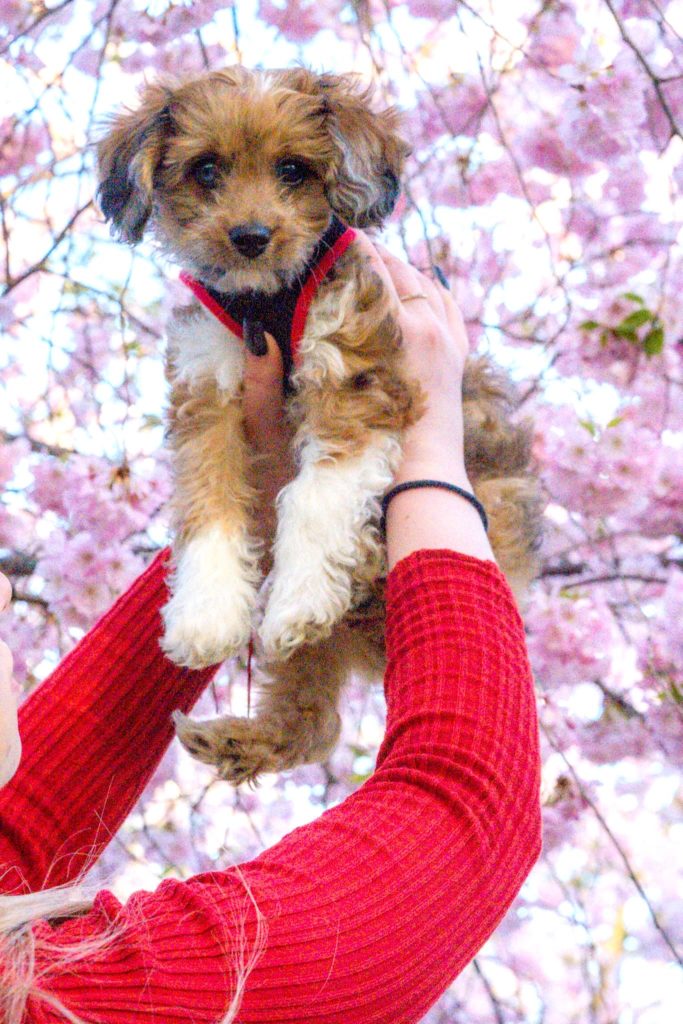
x=373 y=909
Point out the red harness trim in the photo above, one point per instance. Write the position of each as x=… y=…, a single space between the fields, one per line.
x=315 y=278
x=200 y=292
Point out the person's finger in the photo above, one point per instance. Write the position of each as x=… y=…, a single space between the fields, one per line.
x=5 y=592
x=377 y=264
x=403 y=281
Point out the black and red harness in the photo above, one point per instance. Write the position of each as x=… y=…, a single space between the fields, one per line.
x=283 y=313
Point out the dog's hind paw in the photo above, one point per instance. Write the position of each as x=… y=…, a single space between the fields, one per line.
x=240 y=748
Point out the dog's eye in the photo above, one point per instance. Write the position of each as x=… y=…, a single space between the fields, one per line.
x=292 y=172
x=206 y=173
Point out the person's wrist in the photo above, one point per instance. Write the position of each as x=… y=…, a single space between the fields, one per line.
x=450 y=471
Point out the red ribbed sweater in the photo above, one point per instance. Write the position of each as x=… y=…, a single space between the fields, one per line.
x=371 y=910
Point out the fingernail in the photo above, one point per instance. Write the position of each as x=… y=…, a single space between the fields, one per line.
x=441 y=277
x=255 y=337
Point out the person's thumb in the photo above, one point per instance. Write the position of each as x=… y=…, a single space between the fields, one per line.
x=263 y=379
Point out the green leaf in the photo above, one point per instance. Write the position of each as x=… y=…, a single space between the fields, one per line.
x=653 y=342
x=626 y=332
x=589 y=325
x=632 y=297
x=635 y=320
x=615 y=422
x=590 y=427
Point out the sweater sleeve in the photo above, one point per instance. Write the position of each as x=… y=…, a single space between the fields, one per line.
x=92 y=735
x=367 y=914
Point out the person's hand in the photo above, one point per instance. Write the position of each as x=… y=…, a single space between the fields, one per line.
x=435 y=349
x=268 y=431
x=10 y=744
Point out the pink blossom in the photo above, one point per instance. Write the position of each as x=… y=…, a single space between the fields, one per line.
x=625 y=185
x=562 y=813
x=456 y=109
x=11 y=454
x=600 y=118
x=12 y=14
x=666 y=724
x=431 y=8
x=663 y=515
x=634 y=8
x=657 y=127
x=673 y=616
x=49 y=482
x=25 y=638
x=448 y=188
x=18 y=302
x=16 y=529
x=76 y=571
x=613 y=737
x=92 y=345
x=89 y=600
x=571 y=638
x=541 y=146
x=555 y=38
x=111 y=502
x=492 y=179
x=21 y=144
x=300 y=20
x=597 y=472
x=87 y=59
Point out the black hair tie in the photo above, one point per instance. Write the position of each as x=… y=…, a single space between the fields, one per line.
x=412 y=485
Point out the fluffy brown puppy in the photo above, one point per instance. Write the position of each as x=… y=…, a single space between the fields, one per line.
x=250 y=181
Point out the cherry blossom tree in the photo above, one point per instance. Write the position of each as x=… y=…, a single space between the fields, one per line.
x=545 y=180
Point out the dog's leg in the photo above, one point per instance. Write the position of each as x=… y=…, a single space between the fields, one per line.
x=327 y=540
x=215 y=570
x=296 y=721
x=499 y=464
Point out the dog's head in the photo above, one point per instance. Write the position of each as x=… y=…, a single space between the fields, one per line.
x=237 y=172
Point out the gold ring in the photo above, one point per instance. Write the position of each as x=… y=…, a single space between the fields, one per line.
x=416 y=295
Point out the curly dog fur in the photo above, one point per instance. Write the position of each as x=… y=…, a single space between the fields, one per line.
x=286 y=150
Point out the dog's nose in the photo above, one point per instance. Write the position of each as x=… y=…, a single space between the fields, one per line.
x=250 y=239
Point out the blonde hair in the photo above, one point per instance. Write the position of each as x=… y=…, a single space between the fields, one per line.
x=20 y=981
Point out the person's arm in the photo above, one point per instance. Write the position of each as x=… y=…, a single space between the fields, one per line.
x=93 y=734
x=373 y=909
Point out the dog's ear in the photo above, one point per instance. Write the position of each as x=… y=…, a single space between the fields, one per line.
x=371 y=152
x=127 y=159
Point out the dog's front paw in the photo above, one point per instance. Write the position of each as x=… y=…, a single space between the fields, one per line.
x=240 y=748
x=208 y=617
x=302 y=611
x=205 y=628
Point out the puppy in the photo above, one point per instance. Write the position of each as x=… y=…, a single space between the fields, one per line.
x=253 y=182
